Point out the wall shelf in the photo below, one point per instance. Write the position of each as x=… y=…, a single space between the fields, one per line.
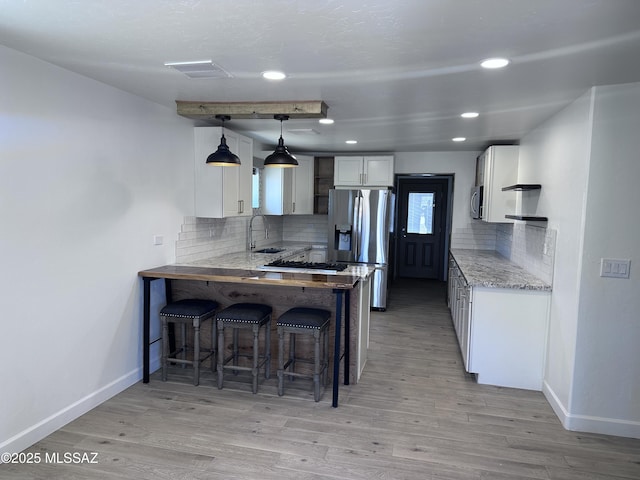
x=521 y=187
x=525 y=187
x=527 y=218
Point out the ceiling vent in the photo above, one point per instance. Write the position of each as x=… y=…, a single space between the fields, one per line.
x=303 y=131
x=201 y=69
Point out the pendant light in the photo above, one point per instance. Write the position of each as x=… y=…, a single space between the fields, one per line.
x=281 y=156
x=223 y=157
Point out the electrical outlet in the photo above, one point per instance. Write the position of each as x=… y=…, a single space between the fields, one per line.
x=615 y=268
x=158 y=239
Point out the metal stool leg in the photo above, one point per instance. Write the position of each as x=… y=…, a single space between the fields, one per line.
x=214 y=350
x=316 y=366
x=196 y=352
x=165 y=347
x=220 y=353
x=267 y=350
x=256 y=348
x=281 y=361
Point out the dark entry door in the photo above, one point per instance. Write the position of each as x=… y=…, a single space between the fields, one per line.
x=422 y=205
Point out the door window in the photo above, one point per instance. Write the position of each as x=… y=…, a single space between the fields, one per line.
x=420 y=213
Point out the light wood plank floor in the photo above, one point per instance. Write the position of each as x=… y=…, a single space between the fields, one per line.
x=414 y=415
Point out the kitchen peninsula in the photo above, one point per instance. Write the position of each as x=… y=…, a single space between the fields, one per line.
x=237 y=278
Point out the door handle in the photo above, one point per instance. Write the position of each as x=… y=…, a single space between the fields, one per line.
x=404 y=232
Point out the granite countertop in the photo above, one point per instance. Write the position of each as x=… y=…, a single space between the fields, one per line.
x=251 y=260
x=487 y=268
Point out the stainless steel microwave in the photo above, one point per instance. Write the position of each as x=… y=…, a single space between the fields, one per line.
x=476 y=201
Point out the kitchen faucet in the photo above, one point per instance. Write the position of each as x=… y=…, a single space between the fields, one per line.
x=251 y=244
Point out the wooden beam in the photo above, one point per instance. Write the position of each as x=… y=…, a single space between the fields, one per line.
x=240 y=110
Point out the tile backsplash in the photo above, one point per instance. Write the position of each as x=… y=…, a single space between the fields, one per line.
x=530 y=247
x=305 y=228
x=476 y=235
x=201 y=238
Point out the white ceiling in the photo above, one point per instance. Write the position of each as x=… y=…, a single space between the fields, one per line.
x=396 y=74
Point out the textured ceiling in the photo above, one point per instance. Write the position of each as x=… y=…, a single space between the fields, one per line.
x=395 y=74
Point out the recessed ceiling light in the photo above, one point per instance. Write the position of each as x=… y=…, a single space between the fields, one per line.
x=470 y=115
x=458 y=139
x=326 y=121
x=274 y=75
x=494 y=63
x=351 y=142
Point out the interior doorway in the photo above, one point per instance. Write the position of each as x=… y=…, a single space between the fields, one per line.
x=423 y=225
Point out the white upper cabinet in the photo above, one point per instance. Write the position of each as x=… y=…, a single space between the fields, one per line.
x=497 y=168
x=222 y=191
x=369 y=171
x=289 y=191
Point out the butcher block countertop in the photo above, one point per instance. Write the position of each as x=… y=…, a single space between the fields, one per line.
x=487 y=268
x=236 y=275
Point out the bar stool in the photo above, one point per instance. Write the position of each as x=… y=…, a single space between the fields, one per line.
x=188 y=311
x=248 y=316
x=304 y=321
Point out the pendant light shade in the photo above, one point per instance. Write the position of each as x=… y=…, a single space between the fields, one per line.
x=223 y=157
x=281 y=156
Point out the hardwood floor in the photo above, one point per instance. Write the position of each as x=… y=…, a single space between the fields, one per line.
x=415 y=414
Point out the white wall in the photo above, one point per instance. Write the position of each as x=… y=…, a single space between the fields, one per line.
x=556 y=155
x=88 y=174
x=461 y=164
x=585 y=157
x=606 y=391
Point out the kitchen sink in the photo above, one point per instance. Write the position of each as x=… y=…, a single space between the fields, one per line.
x=270 y=250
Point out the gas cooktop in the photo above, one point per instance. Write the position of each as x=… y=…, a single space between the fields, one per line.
x=320 y=267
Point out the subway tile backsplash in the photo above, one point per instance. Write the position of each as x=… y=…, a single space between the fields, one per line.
x=476 y=235
x=530 y=247
x=202 y=238
x=305 y=228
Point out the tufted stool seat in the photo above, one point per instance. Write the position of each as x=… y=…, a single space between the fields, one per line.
x=249 y=316
x=188 y=311
x=304 y=321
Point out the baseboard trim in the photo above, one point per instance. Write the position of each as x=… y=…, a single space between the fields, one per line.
x=46 y=427
x=587 y=423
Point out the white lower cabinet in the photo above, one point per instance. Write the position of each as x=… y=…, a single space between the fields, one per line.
x=460 y=306
x=502 y=332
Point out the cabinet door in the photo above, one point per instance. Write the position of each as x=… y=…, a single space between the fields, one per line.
x=500 y=170
x=245 y=152
x=347 y=171
x=274 y=191
x=222 y=191
x=378 y=171
x=465 y=325
x=302 y=186
x=289 y=191
x=207 y=178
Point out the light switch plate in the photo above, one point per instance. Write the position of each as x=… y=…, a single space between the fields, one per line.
x=158 y=239
x=615 y=267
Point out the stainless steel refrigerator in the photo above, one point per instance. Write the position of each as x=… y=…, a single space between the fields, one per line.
x=360 y=223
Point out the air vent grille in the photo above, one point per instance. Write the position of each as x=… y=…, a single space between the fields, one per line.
x=200 y=69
